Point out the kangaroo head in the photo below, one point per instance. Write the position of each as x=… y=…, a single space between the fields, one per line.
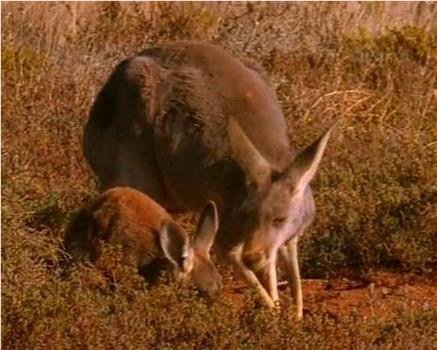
x=274 y=205
x=192 y=262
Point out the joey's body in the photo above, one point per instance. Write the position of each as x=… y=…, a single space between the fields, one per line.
x=188 y=122
x=122 y=216
x=147 y=234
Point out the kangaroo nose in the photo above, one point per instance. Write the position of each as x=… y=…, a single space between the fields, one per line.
x=217 y=285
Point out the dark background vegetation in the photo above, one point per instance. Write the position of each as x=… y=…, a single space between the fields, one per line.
x=371 y=66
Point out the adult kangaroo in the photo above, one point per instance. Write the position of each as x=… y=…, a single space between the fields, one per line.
x=187 y=122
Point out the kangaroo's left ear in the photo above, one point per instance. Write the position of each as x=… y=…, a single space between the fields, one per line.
x=304 y=166
x=256 y=168
x=207 y=228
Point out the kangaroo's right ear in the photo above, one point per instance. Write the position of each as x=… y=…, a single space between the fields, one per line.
x=303 y=168
x=174 y=242
x=207 y=228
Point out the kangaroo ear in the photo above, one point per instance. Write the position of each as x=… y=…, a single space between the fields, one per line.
x=174 y=242
x=207 y=228
x=256 y=167
x=304 y=166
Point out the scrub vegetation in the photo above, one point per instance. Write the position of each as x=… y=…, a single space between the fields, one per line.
x=369 y=259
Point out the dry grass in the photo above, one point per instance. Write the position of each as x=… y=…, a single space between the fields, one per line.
x=370 y=66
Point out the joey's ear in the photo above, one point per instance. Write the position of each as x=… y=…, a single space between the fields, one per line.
x=256 y=167
x=207 y=228
x=304 y=166
x=174 y=242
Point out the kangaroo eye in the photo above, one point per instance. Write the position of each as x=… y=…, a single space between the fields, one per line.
x=278 y=221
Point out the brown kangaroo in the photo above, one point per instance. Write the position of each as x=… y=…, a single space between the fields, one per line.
x=147 y=234
x=187 y=122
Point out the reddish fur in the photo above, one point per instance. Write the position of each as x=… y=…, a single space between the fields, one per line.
x=149 y=237
x=120 y=216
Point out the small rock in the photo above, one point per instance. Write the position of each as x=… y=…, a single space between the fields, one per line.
x=386 y=291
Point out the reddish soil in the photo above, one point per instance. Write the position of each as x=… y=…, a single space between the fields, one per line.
x=381 y=295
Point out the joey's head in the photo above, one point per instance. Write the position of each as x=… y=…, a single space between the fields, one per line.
x=191 y=261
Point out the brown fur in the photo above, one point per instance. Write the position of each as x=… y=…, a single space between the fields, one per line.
x=128 y=218
x=171 y=104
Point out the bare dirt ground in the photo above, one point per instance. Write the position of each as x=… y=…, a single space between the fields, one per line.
x=381 y=295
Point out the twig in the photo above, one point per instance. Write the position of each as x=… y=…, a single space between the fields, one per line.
x=332 y=93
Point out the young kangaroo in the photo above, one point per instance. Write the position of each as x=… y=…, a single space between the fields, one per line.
x=124 y=216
